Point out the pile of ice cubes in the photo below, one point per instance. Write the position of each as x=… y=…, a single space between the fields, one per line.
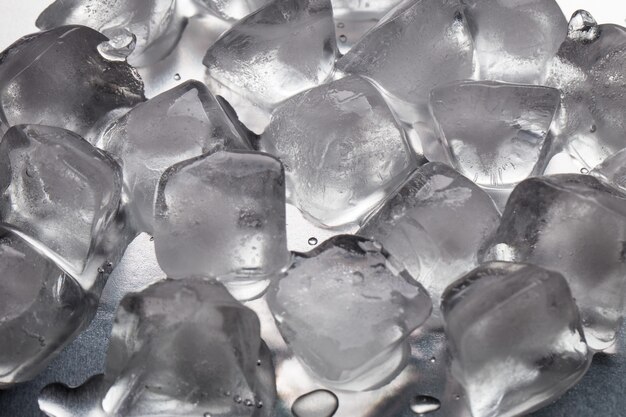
x=466 y=159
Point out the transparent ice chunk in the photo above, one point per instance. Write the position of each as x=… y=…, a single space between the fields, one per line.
x=346 y=315
x=280 y=50
x=223 y=216
x=435 y=225
x=58 y=78
x=613 y=170
x=342 y=148
x=576 y=225
x=179 y=124
x=515 y=337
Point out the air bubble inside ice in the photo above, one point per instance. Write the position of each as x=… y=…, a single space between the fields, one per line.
x=424 y=404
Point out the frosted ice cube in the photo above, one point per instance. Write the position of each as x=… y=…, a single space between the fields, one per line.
x=179 y=347
x=613 y=170
x=435 y=225
x=58 y=78
x=342 y=148
x=495 y=134
x=515 y=40
x=59 y=192
x=576 y=225
x=346 y=315
x=515 y=338
x=223 y=216
x=148 y=20
x=280 y=50
x=179 y=124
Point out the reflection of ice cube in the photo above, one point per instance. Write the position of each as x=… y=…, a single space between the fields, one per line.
x=576 y=225
x=515 y=337
x=345 y=315
x=342 y=148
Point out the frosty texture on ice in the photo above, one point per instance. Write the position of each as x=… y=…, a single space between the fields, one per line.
x=420 y=45
x=576 y=225
x=346 y=315
x=613 y=170
x=59 y=191
x=148 y=20
x=280 y=50
x=495 y=134
x=184 y=347
x=342 y=148
x=222 y=216
x=179 y=124
x=41 y=309
x=58 y=78
x=435 y=225
x=233 y=9
x=515 y=337
x=514 y=40
x=588 y=70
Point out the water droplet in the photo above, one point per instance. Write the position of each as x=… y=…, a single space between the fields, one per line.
x=151 y=238
x=457 y=397
x=319 y=403
x=259 y=404
x=593 y=128
x=343 y=38
x=177 y=77
x=101 y=270
x=433 y=360
x=584 y=171
x=313 y=241
x=238 y=399
x=248 y=402
x=341 y=25
x=207 y=414
x=258 y=363
x=423 y=404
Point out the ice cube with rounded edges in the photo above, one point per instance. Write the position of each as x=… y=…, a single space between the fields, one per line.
x=417 y=46
x=496 y=134
x=613 y=170
x=435 y=225
x=515 y=40
x=41 y=309
x=515 y=338
x=148 y=20
x=223 y=215
x=588 y=71
x=284 y=48
x=576 y=225
x=342 y=148
x=60 y=192
x=58 y=78
x=179 y=124
x=346 y=315
x=179 y=347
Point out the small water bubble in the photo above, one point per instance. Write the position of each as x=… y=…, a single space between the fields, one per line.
x=258 y=363
x=101 y=270
x=584 y=171
x=433 y=360
x=593 y=128
x=238 y=399
x=424 y=404
x=259 y=404
x=312 y=241
x=341 y=25
x=151 y=238
x=177 y=77
x=457 y=397
x=319 y=403
x=248 y=402
x=207 y=414
x=343 y=38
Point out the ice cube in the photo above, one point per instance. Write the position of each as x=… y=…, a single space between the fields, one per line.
x=280 y=50
x=60 y=192
x=149 y=20
x=346 y=315
x=41 y=308
x=613 y=170
x=233 y=9
x=58 y=78
x=419 y=45
x=342 y=148
x=179 y=347
x=576 y=225
x=588 y=70
x=495 y=134
x=223 y=216
x=179 y=124
x=515 y=338
x=515 y=40
x=435 y=225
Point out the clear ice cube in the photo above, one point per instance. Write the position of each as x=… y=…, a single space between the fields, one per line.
x=419 y=45
x=613 y=170
x=233 y=9
x=223 y=216
x=179 y=124
x=342 y=148
x=515 y=40
x=588 y=71
x=435 y=225
x=496 y=134
x=58 y=78
x=576 y=225
x=280 y=50
x=148 y=20
x=515 y=337
x=41 y=309
x=345 y=315
x=59 y=192
x=179 y=347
